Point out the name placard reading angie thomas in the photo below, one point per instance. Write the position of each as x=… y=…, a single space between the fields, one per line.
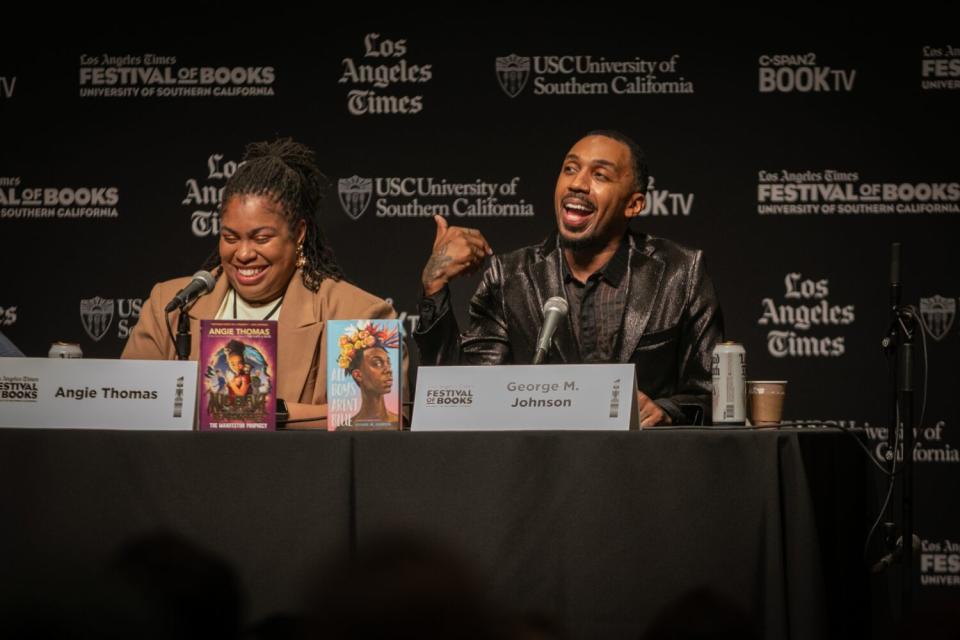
x=97 y=394
x=518 y=397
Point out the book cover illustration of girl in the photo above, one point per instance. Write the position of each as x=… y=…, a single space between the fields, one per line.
x=238 y=380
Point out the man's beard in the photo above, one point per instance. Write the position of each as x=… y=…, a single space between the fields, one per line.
x=588 y=242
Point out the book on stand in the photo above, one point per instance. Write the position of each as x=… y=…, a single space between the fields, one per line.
x=238 y=374
x=363 y=374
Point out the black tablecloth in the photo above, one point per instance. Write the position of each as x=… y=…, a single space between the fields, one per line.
x=599 y=530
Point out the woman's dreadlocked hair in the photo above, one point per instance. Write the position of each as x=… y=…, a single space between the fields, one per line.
x=286 y=172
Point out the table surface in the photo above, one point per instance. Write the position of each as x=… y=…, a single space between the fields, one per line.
x=598 y=530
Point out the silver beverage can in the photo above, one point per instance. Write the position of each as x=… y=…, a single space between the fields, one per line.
x=65 y=350
x=729 y=383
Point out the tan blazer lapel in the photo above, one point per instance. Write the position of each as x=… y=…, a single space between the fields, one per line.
x=299 y=331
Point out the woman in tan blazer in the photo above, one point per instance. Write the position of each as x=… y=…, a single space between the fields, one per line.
x=272 y=263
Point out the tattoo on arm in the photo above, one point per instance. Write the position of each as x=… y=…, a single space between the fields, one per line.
x=437 y=263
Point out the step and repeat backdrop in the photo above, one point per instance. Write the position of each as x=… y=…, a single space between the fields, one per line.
x=793 y=156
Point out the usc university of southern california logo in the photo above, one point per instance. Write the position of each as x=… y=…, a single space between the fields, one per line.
x=96 y=315
x=937 y=314
x=355 y=194
x=513 y=71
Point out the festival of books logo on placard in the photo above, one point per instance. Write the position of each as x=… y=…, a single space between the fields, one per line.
x=449 y=396
x=19 y=389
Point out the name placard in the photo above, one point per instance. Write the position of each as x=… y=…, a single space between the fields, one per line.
x=525 y=397
x=86 y=393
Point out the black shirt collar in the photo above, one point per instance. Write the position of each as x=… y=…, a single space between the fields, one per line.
x=613 y=271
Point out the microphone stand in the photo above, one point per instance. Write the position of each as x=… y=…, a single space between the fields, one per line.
x=539 y=356
x=183 y=339
x=907 y=329
x=898 y=346
x=889 y=345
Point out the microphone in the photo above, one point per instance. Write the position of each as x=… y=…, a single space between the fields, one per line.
x=893 y=556
x=202 y=284
x=554 y=310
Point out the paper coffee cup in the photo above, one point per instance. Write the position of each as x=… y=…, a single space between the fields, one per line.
x=765 y=402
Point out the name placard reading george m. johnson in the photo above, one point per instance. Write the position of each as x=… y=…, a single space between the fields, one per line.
x=97 y=394
x=518 y=397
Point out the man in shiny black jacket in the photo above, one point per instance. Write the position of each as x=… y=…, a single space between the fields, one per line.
x=633 y=297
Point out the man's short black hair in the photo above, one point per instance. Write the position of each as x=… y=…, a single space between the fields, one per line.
x=638 y=161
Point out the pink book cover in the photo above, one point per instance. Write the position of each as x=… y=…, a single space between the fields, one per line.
x=238 y=373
